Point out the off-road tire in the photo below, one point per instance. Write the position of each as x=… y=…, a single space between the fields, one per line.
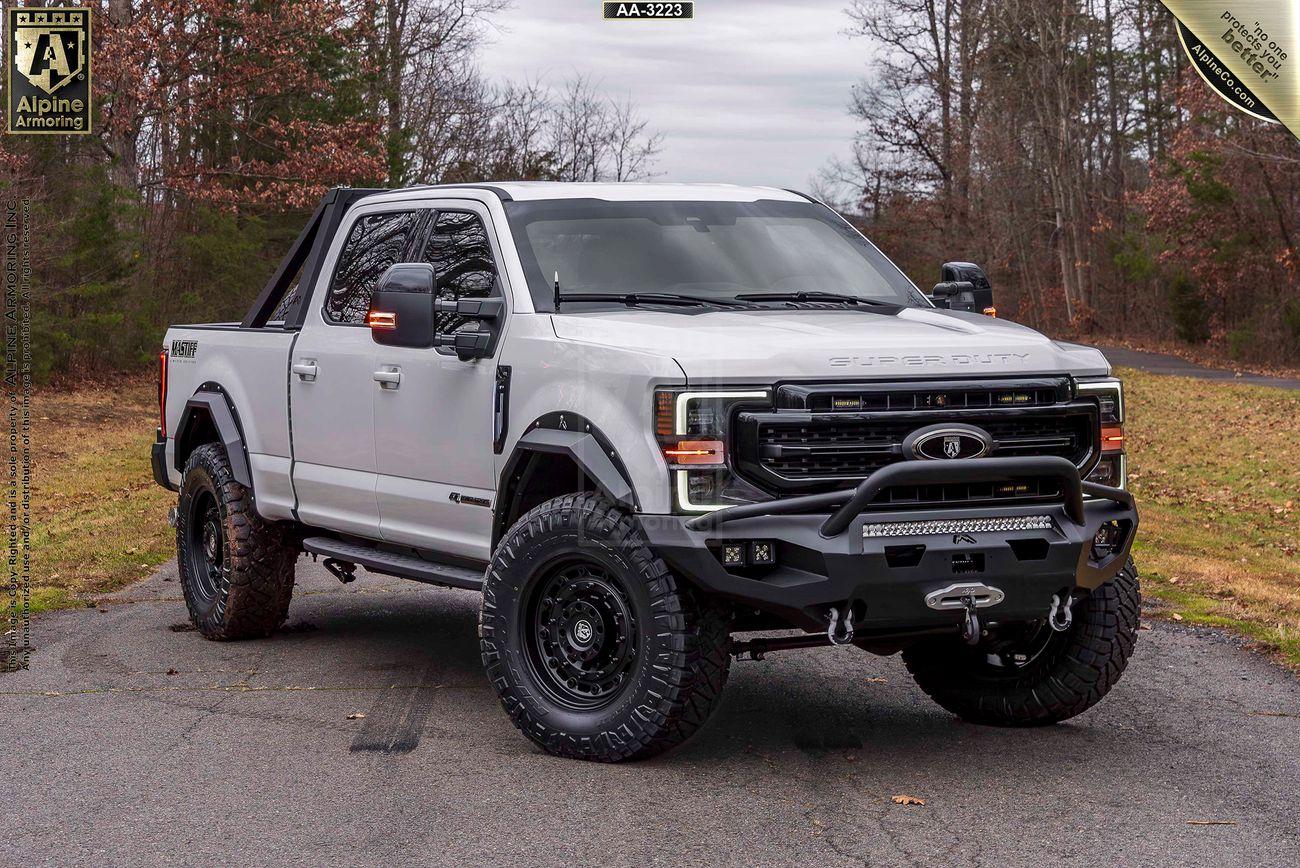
x=250 y=598
x=1072 y=674
x=683 y=657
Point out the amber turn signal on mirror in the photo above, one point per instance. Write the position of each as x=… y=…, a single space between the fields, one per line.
x=382 y=319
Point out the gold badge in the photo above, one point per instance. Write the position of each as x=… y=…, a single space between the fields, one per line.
x=1247 y=51
x=49 y=70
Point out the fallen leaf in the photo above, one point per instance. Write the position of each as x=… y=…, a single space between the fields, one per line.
x=875 y=681
x=1211 y=822
x=1177 y=617
x=356 y=715
x=908 y=800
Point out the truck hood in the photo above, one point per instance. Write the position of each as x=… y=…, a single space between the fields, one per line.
x=762 y=346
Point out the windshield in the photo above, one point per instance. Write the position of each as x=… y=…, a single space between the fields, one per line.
x=704 y=250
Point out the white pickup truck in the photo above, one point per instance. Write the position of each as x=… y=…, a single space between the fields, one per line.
x=658 y=426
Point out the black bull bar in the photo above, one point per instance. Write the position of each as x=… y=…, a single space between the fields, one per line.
x=822 y=566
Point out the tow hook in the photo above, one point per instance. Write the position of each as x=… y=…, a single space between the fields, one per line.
x=1060 y=616
x=837 y=633
x=971 y=630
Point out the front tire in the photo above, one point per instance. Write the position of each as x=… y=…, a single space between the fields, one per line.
x=595 y=649
x=236 y=568
x=1044 y=678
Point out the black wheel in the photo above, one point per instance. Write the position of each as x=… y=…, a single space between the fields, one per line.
x=1033 y=675
x=595 y=649
x=236 y=569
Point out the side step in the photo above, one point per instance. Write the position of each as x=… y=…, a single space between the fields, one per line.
x=404 y=566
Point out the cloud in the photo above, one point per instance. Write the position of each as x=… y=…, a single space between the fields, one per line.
x=748 y=92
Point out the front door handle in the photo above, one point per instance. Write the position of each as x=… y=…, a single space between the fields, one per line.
x=389 y=378
x=306 y=370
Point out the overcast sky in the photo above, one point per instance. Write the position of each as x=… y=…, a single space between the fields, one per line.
x=751 y=91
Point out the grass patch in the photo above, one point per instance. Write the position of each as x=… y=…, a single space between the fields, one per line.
x=1216 y=471
x=98 y=520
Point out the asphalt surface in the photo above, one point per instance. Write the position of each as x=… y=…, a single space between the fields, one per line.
x=130 y=742
x=1159 y=363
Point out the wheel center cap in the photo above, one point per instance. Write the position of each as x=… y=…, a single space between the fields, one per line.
x=582 y=632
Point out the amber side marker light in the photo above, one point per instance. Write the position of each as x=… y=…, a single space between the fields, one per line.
x=695 y=452
x=664 y=407
x=1112 y=438
x=379 y=319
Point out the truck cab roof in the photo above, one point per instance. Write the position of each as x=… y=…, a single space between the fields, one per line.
x=612 y=192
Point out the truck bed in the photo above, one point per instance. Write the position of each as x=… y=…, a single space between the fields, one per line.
x=250 y=366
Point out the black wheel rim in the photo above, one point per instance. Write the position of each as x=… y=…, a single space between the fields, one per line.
x=581 y=635
x=205 y=545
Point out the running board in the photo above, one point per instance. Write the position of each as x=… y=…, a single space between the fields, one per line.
x=389 y=563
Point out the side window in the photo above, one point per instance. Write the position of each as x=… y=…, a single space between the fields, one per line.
x=461 y=256
x=375 y=242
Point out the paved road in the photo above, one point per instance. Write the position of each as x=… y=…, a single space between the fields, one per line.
x=129 y=742
x=1159 y=363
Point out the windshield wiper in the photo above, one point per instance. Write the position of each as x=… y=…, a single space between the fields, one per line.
x=634 y=298
x=818 y=296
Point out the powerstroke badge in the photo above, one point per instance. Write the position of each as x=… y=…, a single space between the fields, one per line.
x=1246 y=51
x=48 y=73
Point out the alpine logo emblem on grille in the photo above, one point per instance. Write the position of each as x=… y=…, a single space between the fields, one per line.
x=947 y=441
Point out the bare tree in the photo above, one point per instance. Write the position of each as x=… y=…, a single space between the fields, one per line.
x=632 y=149
x=423 y=51
x=922 y=103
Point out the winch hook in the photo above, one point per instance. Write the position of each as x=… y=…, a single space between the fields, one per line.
x=971 y=630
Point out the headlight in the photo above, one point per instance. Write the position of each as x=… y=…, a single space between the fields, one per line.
x=1112 y=469
x=693 y=428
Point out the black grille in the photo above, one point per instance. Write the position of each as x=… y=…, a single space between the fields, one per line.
x=794 y=451
x=947 y=395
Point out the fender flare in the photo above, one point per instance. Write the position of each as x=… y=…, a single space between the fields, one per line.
x=213 y=399
x=571 y=435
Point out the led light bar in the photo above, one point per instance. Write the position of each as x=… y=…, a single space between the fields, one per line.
x=965 y=525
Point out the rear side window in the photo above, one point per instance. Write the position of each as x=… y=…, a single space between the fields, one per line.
x=375 y=242
x=461 y=256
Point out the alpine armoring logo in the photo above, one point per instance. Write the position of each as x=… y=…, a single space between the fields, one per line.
x=947 y=442
x=48 y=69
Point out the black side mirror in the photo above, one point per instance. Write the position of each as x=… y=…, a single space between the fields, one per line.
x=964 y=286
x=401 y=308
x=404 y=307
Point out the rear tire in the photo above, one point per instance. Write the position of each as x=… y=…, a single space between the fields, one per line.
x=236 y=569
x=595 y=649
x=1062 y=675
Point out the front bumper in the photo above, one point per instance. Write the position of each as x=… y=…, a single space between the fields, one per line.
x=824 y=560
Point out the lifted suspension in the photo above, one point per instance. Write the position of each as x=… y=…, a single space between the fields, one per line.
x=758 y=647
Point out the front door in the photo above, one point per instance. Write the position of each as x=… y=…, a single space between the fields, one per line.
x=433 y=426
x=332 y=379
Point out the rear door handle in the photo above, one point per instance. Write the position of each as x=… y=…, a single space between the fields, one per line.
x=389 y=378
x=306 y=370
